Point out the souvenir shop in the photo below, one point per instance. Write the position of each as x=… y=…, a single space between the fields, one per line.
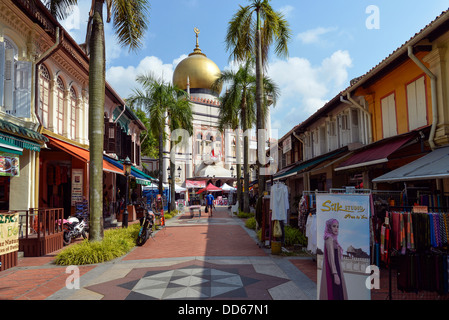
x=409 y=243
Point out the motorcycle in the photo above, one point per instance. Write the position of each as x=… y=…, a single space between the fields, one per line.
x=74 y=227
x=146 y=225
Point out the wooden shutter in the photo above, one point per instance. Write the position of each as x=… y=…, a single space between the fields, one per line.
x=389 y=116
x=416 y=103
x=9 y=81
x=2 y=71
x=111 y=145
x=22 y=92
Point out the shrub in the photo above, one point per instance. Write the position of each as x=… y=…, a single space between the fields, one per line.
x=244 y=215
x=294 y=236
x=251 y=223
x=116 y=242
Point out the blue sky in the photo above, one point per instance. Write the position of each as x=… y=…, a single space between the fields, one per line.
x=331 y=44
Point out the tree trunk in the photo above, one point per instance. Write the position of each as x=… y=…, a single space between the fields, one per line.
x=172 y=186
x=238 y=166
x=96 y=123
x=161 y=150
x=259 y=103
x=245 y=156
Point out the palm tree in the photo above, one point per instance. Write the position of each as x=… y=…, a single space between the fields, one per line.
x=130 y=22
x=60 y=9
x=164 y=104
x=247 y=38
x=239 y=102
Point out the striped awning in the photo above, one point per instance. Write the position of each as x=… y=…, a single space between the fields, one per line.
x=19 y=142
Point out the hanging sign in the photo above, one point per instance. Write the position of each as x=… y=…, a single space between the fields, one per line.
x=343 y=246
x=9 y=233
x=9 y=165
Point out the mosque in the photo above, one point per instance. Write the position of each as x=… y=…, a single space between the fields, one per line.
x=209 y=156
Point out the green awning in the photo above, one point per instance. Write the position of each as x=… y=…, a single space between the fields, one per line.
x=19 y=142
x=307 y=164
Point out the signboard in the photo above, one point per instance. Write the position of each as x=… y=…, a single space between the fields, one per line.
x=343 y=246
x=195 y=184
x=287 y=144
x=9 y=165
x=77 y=186
x=9 y=232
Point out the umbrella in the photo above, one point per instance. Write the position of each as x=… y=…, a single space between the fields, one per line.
x=209 y=187
x=179 y=189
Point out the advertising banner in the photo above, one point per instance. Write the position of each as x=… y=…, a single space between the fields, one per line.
x=77 y=186
x=9 y=165
x=9 y=233
x=343 y=243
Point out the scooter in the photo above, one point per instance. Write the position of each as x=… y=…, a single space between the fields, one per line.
x=146 y=226
x=74 y=227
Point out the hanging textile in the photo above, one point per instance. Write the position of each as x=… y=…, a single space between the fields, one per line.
x=279 y=202
x=311 y=233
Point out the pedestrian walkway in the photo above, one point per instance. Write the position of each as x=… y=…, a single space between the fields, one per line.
x=190 y=258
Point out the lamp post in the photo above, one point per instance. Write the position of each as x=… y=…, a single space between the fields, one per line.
x=169 y=193
x=126 y=170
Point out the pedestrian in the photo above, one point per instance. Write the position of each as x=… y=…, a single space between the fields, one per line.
x=209 y=202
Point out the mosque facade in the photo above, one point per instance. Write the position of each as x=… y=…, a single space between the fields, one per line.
x=209 y=156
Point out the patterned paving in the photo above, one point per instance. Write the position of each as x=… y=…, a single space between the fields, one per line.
x=190 y=280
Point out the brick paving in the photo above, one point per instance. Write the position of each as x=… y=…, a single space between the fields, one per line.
x=218 y=242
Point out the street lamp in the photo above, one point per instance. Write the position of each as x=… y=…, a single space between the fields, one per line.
x=127 y=171
x=169 y=193
x=179 y=172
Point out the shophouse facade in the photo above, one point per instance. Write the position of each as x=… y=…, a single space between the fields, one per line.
x=45 y=94
x=393 y=115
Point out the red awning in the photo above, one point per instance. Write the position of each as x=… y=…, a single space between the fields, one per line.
x=378 y=153
x=210 y=187
x=81 y=154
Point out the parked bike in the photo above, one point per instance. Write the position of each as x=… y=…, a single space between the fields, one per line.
x=74 y=227
x=146 y=225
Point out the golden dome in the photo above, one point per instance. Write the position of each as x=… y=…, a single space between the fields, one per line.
x=201 y=71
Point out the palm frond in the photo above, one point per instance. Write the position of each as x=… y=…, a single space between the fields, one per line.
x=60 y=9
x=130 y=21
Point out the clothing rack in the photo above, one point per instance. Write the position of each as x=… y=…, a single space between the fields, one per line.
x=417 y=250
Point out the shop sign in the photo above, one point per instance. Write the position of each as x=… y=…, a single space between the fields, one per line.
x=9 y=233
x=77 y=186
x=287 y=144
x=9 y=165
x=343 y=220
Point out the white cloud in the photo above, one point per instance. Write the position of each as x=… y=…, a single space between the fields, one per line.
x=287 y=10
x=306 y=88
x=122 y=78
x=314 y=35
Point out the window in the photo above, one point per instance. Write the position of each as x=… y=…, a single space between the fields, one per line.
x=15 y=81
x=44 y=95
x=60 y=106
x=74 y=113
x=389 y=116
x=416 y=104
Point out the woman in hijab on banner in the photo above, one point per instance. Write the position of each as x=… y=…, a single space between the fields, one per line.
x=333 y=286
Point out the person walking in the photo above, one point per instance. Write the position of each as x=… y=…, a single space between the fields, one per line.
x=210 y=202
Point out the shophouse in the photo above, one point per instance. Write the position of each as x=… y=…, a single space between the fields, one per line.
x=393 y=115
x=44 y=115
x=406 y=97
